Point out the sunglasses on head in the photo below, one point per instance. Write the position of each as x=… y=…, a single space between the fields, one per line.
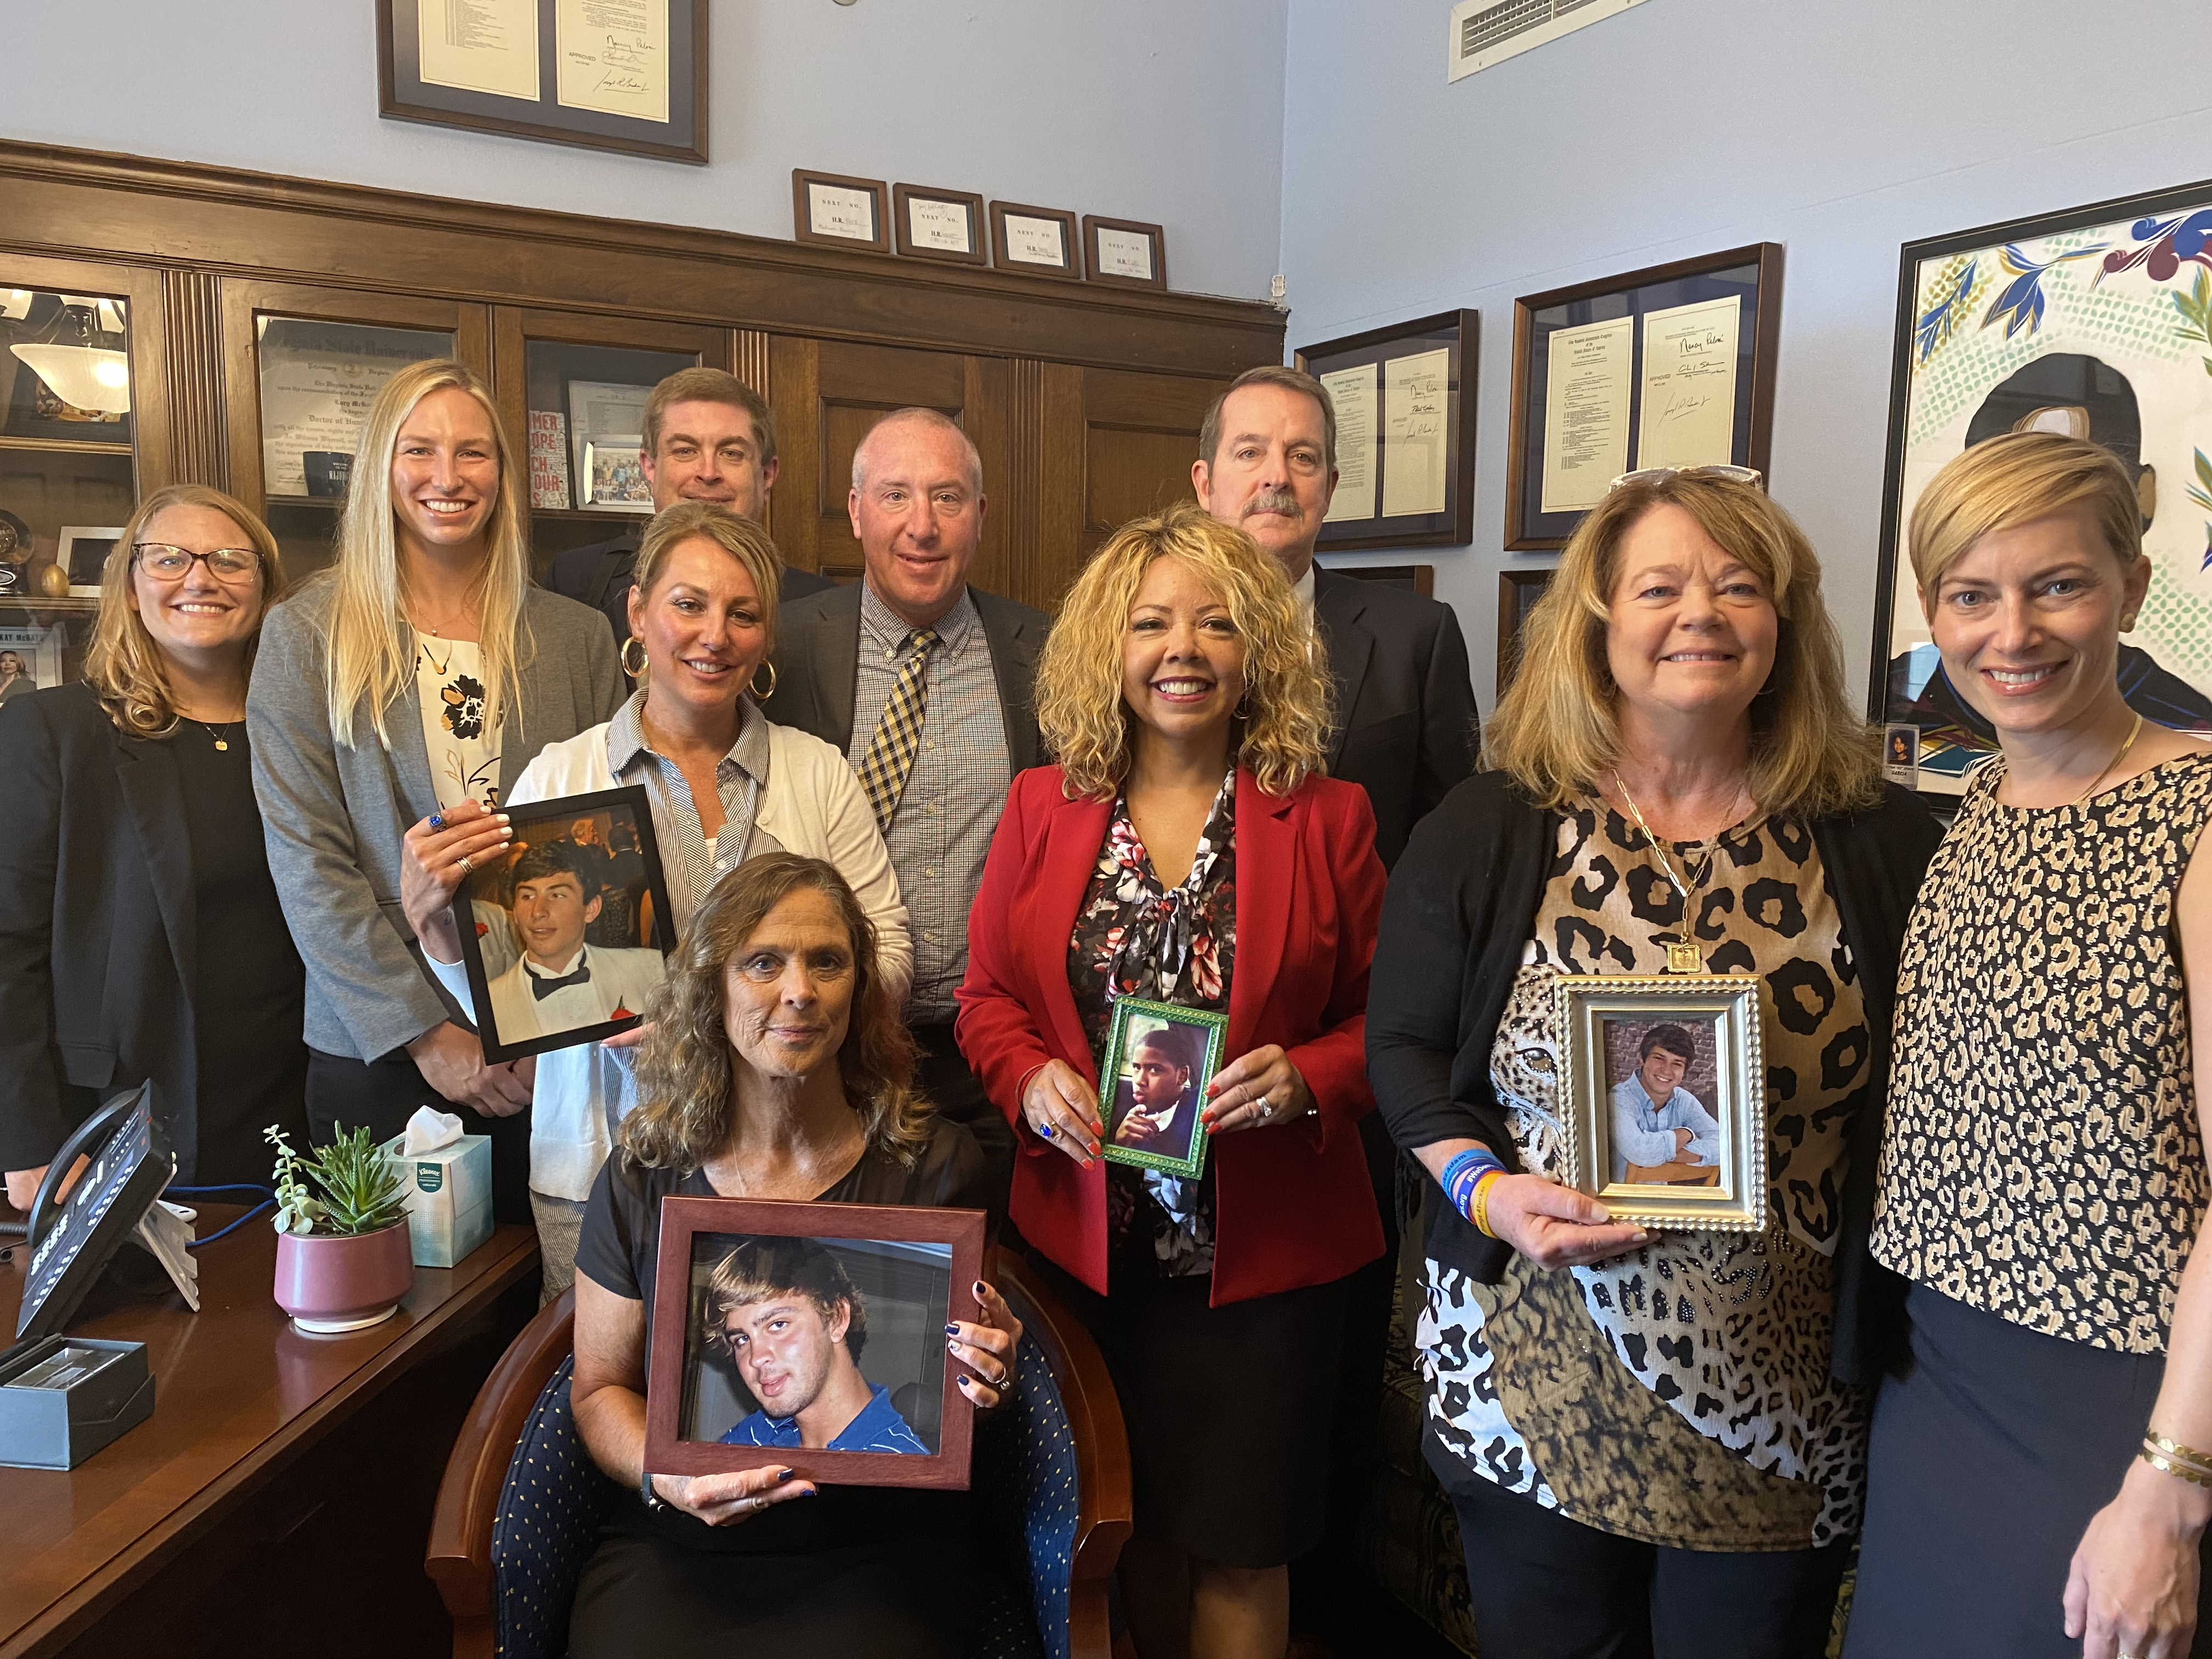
x=1743 y=475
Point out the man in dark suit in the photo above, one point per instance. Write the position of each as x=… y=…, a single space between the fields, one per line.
x=1406 y=728
x=708 y=437
x=927 y=686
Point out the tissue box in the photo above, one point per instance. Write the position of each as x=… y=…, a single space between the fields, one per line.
x=448 y=1197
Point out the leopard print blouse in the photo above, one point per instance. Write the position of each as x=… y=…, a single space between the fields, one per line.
x=2042 y=1160
x=1678 y=1395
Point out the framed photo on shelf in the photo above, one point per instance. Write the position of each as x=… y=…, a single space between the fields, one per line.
x=811 y=1336
x=1672 y=365
x=1159 y=1058
x=938 y=224
x=2095 y=322
x=30 y=653
x=614 y=477
x=1405 y=433
x=609 y=414
x=1125 y=252
x=1517 y=593
x=631 y=77
x=1662 y=1085
x=1041 y=241
x=83 y=553
x=840 y=211
x=564 y=936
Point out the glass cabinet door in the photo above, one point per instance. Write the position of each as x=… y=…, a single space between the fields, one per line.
x=302 y=366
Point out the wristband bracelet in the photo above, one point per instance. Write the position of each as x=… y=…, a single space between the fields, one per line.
x=1479 y=1205
x=1464 y=1172
x=2164 y=1465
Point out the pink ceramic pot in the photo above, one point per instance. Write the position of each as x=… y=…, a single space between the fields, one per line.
x=329 y=1284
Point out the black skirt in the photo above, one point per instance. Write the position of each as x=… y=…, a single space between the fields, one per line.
x=1989 y=1458
x=1227 y=1408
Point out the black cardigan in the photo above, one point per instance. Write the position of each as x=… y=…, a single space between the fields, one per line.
x=1456 y=917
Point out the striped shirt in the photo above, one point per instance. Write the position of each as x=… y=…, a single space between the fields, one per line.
x=690 y=863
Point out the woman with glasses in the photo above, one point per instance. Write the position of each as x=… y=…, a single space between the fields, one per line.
x=425 y=669
x=1663 y=1449
x=140 y=936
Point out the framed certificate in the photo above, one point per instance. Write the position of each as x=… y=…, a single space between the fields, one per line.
x=840 y=211
x=938 y=224
x=1125 y=253
x=1672 y=365
x=1042 y=241
x=625 y=75
x=1404 y=397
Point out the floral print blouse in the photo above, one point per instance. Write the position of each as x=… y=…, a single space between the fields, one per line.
x=1134 y=938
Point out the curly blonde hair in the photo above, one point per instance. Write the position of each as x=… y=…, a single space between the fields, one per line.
x=1288 y=695
x=685 y=1072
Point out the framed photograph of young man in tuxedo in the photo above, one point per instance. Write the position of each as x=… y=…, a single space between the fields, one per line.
x=564 y=937
x=1159 y=1058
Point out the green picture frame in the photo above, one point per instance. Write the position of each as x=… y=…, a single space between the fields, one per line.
x=1195 y=1039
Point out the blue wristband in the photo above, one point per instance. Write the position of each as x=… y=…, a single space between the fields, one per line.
x=1464 y=1171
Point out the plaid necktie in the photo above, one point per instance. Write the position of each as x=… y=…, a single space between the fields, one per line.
x=884 y=768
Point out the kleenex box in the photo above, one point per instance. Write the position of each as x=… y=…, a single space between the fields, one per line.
x=448 y=1197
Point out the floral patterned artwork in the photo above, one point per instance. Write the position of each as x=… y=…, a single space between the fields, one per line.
x=2097 y=323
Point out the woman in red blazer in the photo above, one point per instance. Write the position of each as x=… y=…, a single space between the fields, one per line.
x=1186 y=849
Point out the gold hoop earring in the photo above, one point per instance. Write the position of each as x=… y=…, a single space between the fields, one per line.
x=638 y=672
x=760 y=696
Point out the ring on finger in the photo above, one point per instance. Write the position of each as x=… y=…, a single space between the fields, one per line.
x=465 y=867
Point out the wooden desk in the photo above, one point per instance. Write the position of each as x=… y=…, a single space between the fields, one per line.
x=279 y=1497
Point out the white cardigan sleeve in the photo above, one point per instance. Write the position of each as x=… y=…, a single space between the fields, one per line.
x=856 y=848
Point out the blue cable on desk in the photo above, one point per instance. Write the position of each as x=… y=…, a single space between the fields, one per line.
x=268 y=1195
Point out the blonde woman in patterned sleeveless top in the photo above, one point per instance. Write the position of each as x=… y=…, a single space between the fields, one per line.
x=2041 y=1469
x=1660 y=1449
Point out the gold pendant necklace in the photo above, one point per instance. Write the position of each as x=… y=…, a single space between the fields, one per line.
x=436 y=667
x=2134 y=731
x=217 y=731
x=1683 y=956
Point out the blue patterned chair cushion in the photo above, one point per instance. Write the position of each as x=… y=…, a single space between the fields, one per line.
x=548 y=1523
x=1026 y=1480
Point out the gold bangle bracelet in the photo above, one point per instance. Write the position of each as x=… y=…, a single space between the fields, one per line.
x=2165 y=1465
x=2158 y=1441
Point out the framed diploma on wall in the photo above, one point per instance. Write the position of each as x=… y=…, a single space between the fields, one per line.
x=1405 y=432
x=627 y=75
x=1673 y=366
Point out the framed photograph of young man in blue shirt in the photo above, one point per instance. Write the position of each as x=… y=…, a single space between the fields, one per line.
x=811 y=1336
x=1663 y=1097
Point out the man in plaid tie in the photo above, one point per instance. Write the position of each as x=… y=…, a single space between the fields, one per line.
x=926 y=684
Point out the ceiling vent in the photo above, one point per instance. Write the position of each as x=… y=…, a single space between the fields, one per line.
x=1485 y=33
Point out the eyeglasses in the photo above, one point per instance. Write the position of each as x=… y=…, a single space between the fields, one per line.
x=227 y=564
x=1743 y=475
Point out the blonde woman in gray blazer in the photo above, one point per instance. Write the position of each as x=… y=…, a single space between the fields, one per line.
x=424 y=669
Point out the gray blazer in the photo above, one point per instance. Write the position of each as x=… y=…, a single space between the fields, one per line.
x=334 y=817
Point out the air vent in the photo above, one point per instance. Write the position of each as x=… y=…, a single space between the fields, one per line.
x=1488 y=32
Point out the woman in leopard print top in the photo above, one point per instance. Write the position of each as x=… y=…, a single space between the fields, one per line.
x=2043 y=1187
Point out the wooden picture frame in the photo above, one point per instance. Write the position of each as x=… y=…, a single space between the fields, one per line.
x=1379 y=379
x=1008 y=243
x=1613 y=321
x=808 y=214
x=563 y=89
x=1112 y=268
x=1517 y=593
x=905 y=198
x=931 y=1260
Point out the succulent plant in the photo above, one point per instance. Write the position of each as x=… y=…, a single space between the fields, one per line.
x=362 y=1188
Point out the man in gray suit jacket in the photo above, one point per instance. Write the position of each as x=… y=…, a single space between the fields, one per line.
x=927 y=686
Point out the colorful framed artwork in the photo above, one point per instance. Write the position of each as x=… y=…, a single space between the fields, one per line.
x=2095 y=322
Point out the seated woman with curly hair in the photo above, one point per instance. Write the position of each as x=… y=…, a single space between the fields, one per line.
x=777 y=1068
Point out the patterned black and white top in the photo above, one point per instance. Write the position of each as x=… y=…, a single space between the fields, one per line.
x=1678 y=1395
x=2042 y=1160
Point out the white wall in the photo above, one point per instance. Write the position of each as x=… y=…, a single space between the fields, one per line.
x=1687 y=126
x=1159 y=110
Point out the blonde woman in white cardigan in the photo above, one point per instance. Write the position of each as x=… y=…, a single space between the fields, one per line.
x=724 y=785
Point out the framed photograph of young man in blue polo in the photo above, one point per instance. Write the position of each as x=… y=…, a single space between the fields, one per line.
x=811 y=1336
x=1159 y=1058
x=564 y=936
x=1662 y=1089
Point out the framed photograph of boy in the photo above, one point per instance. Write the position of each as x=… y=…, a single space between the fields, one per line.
x=571 y=925
x=1662 y=1084
x=1159 y=1058
x=811 y=1336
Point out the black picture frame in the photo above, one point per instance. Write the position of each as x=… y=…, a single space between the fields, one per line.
x=403 y=95
x=1752 y=273
x=1517 y=593
x=510 y=1025
x=1458 y=334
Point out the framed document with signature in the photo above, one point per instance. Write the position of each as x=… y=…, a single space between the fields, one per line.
x=627 y=75
x=1404 y=397
x=1672 y=365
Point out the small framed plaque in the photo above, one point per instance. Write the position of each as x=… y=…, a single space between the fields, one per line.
x=840 y=211
x=1125 y=253
x=938 y=224
x=1042 y=241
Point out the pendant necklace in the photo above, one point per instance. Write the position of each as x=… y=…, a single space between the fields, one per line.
x=217 y=731
x=436 y=667
x=2134 y=731
x=1683 y=956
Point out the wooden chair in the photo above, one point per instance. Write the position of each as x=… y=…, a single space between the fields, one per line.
x=518 y=1511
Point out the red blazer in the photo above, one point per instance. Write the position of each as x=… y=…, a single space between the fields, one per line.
x=1292 y=1205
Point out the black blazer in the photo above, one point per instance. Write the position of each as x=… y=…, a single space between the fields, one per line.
x=817 y=662
x=601 y=576
x=1455 y=922
x=98 y=927
x=1407 y=729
